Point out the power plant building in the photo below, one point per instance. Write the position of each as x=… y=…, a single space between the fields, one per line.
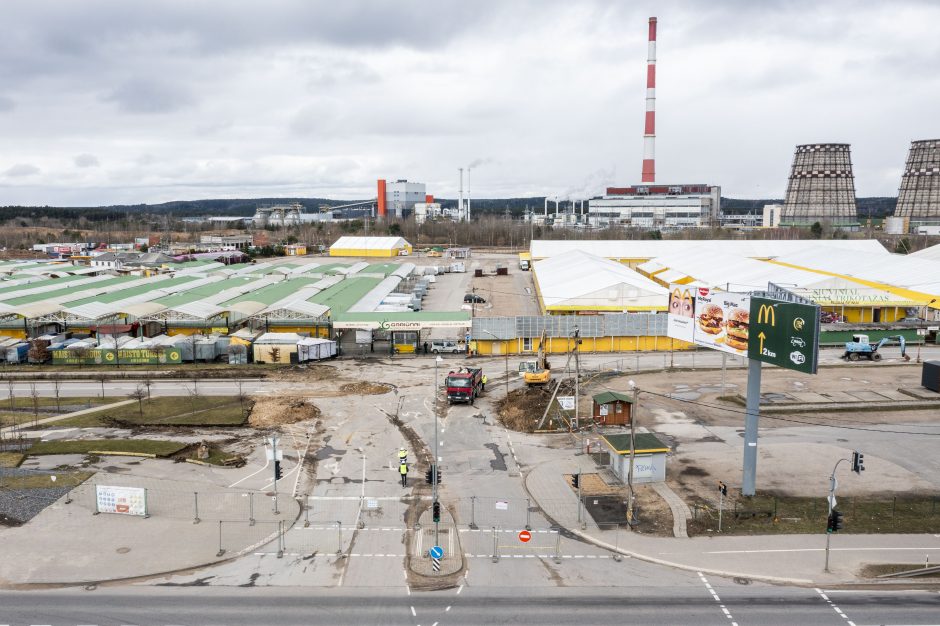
x=398 y=198
x=919 y=194
x=663 y=207
x=821 y=187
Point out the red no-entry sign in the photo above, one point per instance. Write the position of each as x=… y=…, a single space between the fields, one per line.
x=524 y=536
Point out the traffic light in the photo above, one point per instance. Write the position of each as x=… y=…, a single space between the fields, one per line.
x=834 y=522
x=858 y=462
x=576 y=480
x=429 y=476
x=437 y=474
x=436 y=512
x=277 y=470
x=722 y=488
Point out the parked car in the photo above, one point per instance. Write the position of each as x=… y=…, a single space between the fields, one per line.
x=474 y=298
x=451 y=347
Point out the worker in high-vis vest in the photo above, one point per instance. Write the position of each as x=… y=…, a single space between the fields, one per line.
x=402 y=455
x=403 y=470
x=484 y=382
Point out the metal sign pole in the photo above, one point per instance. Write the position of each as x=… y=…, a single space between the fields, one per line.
x=750 y=427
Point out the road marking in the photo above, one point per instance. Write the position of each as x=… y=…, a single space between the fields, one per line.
x=723 y=608
x=810 y=550
x=459 y=589
x=413 y=614
x=266 y=462
x=834 y=607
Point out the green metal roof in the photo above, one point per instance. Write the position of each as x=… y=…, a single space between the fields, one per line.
x=130 y=292
x=40 y=283
x=271 y=294
x=203 y=291
x=643 y=443
x=341 y=296
x=381 y=268
x=197 y=263
x=612 y=396
x=65 y=291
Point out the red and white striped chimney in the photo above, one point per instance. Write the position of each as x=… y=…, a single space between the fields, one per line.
x=649 y=132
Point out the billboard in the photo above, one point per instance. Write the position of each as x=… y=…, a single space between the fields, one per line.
x=680 y=321
x=121 y=500
x=109 y=356
x=786 y=334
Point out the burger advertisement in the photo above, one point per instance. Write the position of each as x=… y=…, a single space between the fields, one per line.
x=722 y=320
x=714 y=319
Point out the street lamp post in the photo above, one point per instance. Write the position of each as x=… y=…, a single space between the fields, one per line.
x=633 y=412
x=434 y=464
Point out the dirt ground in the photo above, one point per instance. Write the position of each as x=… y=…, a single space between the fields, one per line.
x=270 y=412
x=524 y=407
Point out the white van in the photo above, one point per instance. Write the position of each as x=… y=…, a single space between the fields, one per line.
x=452 y=347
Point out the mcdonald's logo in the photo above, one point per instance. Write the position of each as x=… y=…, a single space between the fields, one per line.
x=766 y=315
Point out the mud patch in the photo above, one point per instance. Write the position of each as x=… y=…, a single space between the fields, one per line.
x=523 y=408
x=364 y=388
x=499 y=463
x=268 y=412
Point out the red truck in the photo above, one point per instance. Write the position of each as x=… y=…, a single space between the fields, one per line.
x=464 y=385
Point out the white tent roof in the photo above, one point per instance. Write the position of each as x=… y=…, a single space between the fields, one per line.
x=906 y=271
x=578 y=278
x=649 y=249
x=369 y=243
x=931 y=254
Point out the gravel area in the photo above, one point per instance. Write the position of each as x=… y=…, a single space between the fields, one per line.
x=21 y=505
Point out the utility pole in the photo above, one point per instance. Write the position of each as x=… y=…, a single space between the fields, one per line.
x=434 y=465
x=633 y=412
x=577 y=383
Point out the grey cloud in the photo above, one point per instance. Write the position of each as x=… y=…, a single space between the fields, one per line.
x=22 y=170
x=6 y=104
x=148 y=97
x=86 y=160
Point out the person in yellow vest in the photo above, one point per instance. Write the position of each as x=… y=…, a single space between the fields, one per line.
x=402 y=455
x=484 y=382
x=403 y=470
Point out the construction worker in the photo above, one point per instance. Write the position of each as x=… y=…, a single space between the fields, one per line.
x=484 y=382
x=403 y=470
x=402 y=455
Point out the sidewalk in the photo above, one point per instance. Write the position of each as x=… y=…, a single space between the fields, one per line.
x=774 y=558
x=49 y=420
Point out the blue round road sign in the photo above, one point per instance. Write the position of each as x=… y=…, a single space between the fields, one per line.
x=437 y=552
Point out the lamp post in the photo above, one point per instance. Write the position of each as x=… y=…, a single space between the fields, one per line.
x=434 y=468
x=505 y=354
x=633 y=411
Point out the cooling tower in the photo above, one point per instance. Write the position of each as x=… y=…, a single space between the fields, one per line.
x=821 y=187
x=919 y=195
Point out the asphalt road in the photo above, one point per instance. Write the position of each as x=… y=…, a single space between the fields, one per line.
x=628 y=605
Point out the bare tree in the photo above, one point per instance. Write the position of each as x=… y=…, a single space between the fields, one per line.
x=38 y=351
x=12 y=395
x=139 y=394
x=34 y=394
x=148 y=384
x=241 y=396
x=56 y=387
x=101 y=379
x=193 y=396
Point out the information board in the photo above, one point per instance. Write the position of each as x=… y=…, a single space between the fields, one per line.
x=785 y=334
x=121 y=500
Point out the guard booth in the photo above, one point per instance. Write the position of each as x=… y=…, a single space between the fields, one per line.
x=612 y=408
x=649 y=457
x=405 y=341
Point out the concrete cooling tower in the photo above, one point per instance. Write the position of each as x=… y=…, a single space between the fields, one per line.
x=919 y=194
x=821 y=187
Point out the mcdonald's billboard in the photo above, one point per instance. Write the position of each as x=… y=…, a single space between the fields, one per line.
x=785 y=334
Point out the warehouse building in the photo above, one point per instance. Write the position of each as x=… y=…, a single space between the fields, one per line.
x=663 y=207
x=370 y=247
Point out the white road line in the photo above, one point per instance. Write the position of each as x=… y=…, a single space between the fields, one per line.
x=459 y=589
x=723 y=608
x=813 y=550
x=266 y=463
x=834 y=607
x=413 y=613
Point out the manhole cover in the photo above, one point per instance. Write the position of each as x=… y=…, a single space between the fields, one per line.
x=743 y=581
x=123 y=550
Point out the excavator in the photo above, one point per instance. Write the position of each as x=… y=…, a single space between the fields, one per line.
x=537 y=372
x=860 y=347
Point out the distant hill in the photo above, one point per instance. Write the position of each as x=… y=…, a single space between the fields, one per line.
x=875 y=207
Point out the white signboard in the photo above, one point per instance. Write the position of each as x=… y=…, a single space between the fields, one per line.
x=121 y=500
x=604 y=409
x=269 y=454
x=363 y=336
x=566 y=403
x=722 y=320
x=502 y=505
x=680 y=321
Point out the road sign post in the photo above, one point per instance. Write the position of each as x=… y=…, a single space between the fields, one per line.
x=525 y=536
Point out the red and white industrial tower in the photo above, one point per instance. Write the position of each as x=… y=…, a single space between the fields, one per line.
x=649 y=132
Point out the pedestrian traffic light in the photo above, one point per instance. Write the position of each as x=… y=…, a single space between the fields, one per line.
x=858 y=462
x=834 y=522
x=277 y=470
x=436 y=512
x=576 y=481
x=722 y=488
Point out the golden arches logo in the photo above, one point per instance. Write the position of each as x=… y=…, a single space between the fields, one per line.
x=767 y=315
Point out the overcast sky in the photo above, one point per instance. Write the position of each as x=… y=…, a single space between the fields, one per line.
x=106 y=102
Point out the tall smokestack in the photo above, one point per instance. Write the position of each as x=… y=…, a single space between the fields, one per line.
x=649 y=132
x=460 y=215
x=468 y=194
